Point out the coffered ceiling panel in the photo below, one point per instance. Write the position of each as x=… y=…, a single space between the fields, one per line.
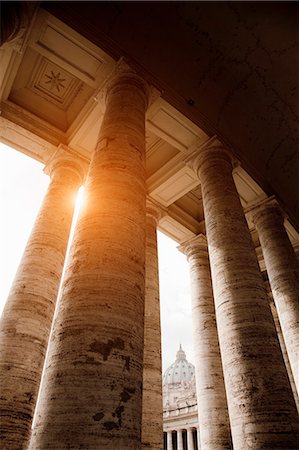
x=166 y=122
x=191 y=203
x=54 y=93
x=175 y=186
x=249 y=191
x=175 y=230
x=56 y=76
x=158 y=153
x=47 y=90
x=63 y=46
x=85 y=136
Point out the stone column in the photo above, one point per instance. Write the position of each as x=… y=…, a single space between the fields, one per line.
x=283 y=349
x=169 y=440
x=283 y=272
x=190 y=442
x=91 y=392
x=28 y=313
x=180 y=439
x=211 y=398
x=260 y=402
x=152 y=405
x=198 y=438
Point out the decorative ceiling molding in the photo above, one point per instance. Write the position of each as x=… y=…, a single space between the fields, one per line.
x=169 y=169
x=166 y=122
x=25 y=141
x=10 y=61
x=174 y=229
x=292 y=233
x=249 y=191
x=54 y=84
x=181 y=216
x=54 y=93
x=85 y=137
x=32 y=123
x=64 y=47
x=177 y=185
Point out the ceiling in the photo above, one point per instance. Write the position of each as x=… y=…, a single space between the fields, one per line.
x=230 y=67
x=52 y=81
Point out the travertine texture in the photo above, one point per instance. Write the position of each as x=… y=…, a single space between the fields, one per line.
x=211 y=397
x=28 y=314
x=284 y=350
x=283 y=272
x=152 y=405
x=260 y=402
x=91 y=393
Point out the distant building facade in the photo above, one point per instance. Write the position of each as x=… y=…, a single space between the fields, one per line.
x=180 y=419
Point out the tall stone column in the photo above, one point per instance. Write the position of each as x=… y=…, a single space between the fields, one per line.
x=152 y=405
x=260 y=402
x=283 y=272
x=284 y=350
x=180 y=440
x=190 y=442
x=91 y=393
x=169 y=440
x=28 y=314
x=211 y=398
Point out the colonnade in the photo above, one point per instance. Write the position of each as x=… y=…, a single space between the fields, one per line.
x=28 y=313
x=175 y=439
x=102 y=376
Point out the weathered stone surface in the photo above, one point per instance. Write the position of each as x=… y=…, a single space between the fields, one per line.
x=260 y=402
x=91 y=392
x=211 y=397
x=152 y=405
x=284 y=350
x=28 y=314
x=283 y=272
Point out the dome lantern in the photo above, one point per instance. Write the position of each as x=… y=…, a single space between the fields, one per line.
x=181 y=355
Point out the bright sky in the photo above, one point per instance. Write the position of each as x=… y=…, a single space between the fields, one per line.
x=22 y=188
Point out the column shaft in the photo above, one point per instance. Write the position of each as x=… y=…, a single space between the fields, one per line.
x=211 y=397
x=198 y=438
x=261 y=406
x=28 y=313
x=169 y=440
x=91 y=393
x=180 y=439
x=284 y=351
x=283 y=272
x=190 y=442
x=152 y=405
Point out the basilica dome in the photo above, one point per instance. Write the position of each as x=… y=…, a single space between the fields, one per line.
x=180 y=371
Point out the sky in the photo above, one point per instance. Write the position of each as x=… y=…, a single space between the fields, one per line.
x=22 y=188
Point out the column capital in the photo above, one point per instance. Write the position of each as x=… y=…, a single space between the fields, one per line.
x=210 y=153
x=124 y=73
x=123 y=68
x=64 y=158
x=269 y=205
x=155 y=210
x=196 y=245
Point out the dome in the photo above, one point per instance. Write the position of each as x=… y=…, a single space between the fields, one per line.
x=180 y=371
